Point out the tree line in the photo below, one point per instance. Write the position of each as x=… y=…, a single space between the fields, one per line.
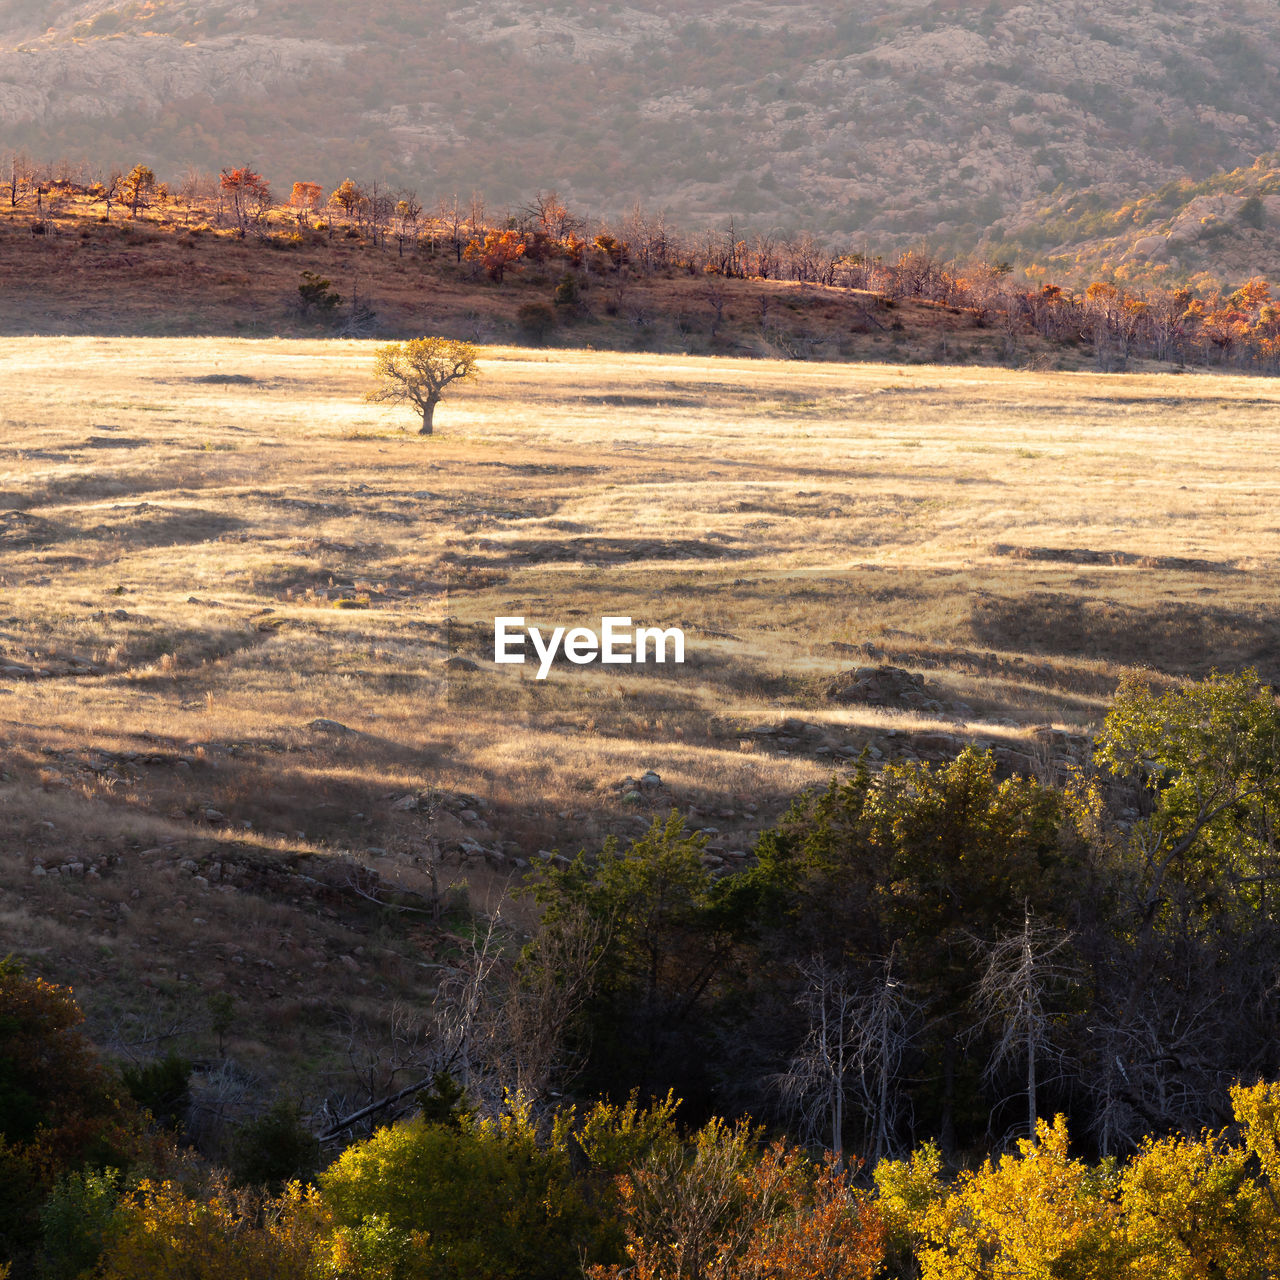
x=680 y=1071
x=1223 y=327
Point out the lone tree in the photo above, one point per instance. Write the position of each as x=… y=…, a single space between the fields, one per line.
x=416 y=372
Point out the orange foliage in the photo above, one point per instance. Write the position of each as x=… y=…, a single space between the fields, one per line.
x=496 y=252
x=776 y=1217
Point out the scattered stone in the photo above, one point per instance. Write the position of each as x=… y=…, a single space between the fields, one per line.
x=461 y=664
x=651 y=780
x=406 y=804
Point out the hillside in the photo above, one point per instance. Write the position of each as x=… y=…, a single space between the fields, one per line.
x=1218 y=230
x=170 y=271
x=901 y=121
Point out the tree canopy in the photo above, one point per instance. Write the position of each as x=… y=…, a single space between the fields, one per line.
x=418 y=371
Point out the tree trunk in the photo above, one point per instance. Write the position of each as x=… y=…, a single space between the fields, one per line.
x=428 y=412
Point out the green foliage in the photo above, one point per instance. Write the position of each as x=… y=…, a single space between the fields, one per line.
x=536 y=321
x=568 y=293
x=487 y=1200
x=1208 y=755
x=77 y=1220
x=316 y=294
x=162 y=1087
x=275 y=1149
x=445 y=1102
x=1252 y=212
x=666 y=938
x=918 y=856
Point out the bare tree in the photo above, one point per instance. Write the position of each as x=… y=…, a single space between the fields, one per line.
x=19 y=178
x=455 y=1038
x=408 y=218
x=858 y=1036
x=716 y=296
x=551 y=216
x=547 y=989
x=450 y=214
x=1013 y=998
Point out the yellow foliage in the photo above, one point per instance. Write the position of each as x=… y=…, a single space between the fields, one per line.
x=1191 y=1211
x=1257 y=1111
x=170 y=1235
x=1036 y=1215
x=907 y=1189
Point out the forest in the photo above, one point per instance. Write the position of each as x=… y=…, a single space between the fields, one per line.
x=794 y=1068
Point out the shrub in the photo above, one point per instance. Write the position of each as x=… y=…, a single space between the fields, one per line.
x=275 y=1149
x=536 y=320
x=165 y=1234
x=1252 y=213
x=568 y=293
x=316 y=294
x=162 y=1087
x=486 y=1200
x=77 y=1220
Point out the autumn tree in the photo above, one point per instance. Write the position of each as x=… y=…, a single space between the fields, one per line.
x=498 y=251
x=138 y=188
x=59 y=1107
x=163 y=1231
x=408 y=218
x=247 y=195
x=1036 y=1213
x=305 y=198
x=720 y=1209
x=350 y=197
x=418 y=371
x=552 y=216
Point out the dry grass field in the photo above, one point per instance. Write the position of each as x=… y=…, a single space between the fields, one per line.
x=246 y=697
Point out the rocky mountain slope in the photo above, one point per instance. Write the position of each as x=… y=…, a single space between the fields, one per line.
x=879 y=125
x=1216 y=231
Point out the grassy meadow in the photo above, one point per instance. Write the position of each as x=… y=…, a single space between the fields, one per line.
x=248 y=716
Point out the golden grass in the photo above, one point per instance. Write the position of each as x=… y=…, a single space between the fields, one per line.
x=193 y=571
